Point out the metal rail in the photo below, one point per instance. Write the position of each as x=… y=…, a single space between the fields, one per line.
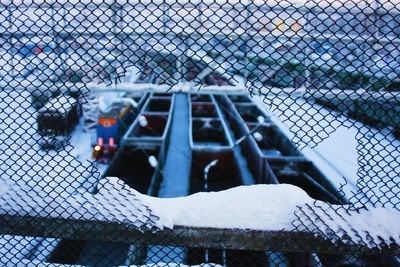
x=286 y=241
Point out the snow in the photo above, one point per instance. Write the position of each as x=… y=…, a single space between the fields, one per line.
x=260 y=207
x=346 y=154
x=274 y=208
x=256 y=207
x=15 y=248
x=349 y=148
x=25 y=167
x=341 y=146
x=373 y=227
x=25 y=163
x=4 y=188
x=106 y=205
x=61 y=104
x=209 y=210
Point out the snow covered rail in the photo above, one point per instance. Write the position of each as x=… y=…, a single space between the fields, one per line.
x=260 y=217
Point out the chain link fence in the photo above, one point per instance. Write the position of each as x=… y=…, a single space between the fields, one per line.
x=293 y=106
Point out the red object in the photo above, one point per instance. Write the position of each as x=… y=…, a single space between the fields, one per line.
x=106 y=151
x=105 y=154
x=111 y=141
x=38 y=50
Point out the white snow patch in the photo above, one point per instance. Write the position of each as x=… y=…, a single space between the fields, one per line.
x=114 y=202
x=372 y=227
x=3 y=188
x=257 y=207
x=338 y=155
x=273 y=208
x=61 y=104
x=341 y=149
x=17 y=246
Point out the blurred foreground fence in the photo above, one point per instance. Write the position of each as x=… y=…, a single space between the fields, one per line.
x=300 y=92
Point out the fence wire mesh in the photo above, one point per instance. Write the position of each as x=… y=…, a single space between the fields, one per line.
x=172 y=98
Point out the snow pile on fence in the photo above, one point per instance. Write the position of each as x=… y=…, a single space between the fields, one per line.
x=374 y=227
x=115 y=202
x=258 y=207
x=280 y=207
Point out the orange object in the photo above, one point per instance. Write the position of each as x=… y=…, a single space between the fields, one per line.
x=107 y=122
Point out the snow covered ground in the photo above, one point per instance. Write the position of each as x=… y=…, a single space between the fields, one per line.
x=27 y=167
x=24 y=162
x=363 y=159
